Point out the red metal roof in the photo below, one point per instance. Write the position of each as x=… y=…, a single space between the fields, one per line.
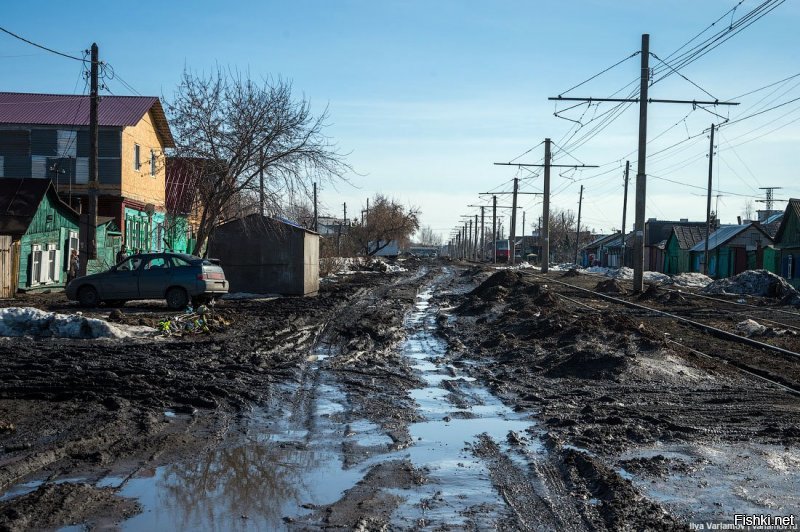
x=73 y=110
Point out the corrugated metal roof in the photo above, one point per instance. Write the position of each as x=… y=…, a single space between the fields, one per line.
x=720 y=236
x=73 y=110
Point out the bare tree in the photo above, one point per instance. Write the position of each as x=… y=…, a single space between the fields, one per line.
x=247 y=134
x=749 y=209
x=385 y=222
x=427 y=237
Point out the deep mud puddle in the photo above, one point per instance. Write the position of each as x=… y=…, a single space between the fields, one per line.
x=456 y=410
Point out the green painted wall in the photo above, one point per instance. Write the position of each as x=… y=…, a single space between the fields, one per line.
x=143 y=231
x=50 y=225
x=177 y=233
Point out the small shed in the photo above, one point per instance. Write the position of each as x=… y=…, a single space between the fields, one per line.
x=682 y=238
x=787 y=243
x=265 y=255
x=732 y=249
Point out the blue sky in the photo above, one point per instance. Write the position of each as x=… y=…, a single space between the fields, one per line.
x=425 y=96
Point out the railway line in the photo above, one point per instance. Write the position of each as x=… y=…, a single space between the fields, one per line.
x=774 y=364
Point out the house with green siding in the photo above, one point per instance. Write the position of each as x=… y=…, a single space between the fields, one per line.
x=732 y=249
x=677 y=257
x=787 y=244
x=44 y=231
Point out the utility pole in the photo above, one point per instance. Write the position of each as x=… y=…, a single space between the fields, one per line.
x=483 y=236
x=546 y=193
x=578 y=231
x=90 y=226
x=316 y=218
x=708 y=200
x=344 y=205
x=641 y=176
x=544 y=236
x=625 y=210
x=475 y=242
x=261 y=191
x=494 y=229
x=512 y=242
x=523 y=224
x=469 y=240
x=770 y=198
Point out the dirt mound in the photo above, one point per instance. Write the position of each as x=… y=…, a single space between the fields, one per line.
x=610 y=286
x=503 y=278
x=652 y=292
x=573 y=272
x=754 y=283
x=589 y=364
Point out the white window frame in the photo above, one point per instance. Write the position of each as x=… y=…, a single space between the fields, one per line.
x=53 y=263
x=36 y=260
x=137 y=161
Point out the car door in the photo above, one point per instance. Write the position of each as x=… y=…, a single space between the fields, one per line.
x=154 y=277
x=122 y=281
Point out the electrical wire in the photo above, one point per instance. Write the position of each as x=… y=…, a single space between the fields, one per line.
x=62 y=54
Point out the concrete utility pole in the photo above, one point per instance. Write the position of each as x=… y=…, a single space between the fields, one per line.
x=578 y=231
x=89 y=239
x=483 y=236
x=523 y=224
x=708 y=200
x=512 y=242
x=641 y=176
x=475 y=242
x=494 y=229
x=469 y=240
x=625 y=210
x=545 y=238
x=316 y=217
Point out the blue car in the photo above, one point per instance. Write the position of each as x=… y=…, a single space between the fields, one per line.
x=176 y=277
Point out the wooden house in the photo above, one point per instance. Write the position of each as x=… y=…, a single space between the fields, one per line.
x=681 y=240
x=732 y=249
x=41 y=232
x=787 y=244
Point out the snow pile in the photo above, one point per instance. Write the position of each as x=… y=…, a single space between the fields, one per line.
x=238 y=296
x=750 y=328
x=602 y=270
x=623 y=273
x=691 y=280
x=27 y=321
x=754 y=283
x=657 y=278
x=563 y=267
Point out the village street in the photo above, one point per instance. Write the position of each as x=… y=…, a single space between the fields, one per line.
x=440 y=397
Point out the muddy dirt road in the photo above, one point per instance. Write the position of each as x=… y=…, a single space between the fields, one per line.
x=440 y=398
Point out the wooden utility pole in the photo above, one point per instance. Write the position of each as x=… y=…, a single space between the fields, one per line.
x=261 y=191
x=475 y=242
x=641 y=177
x=578 y=231
x=512 y=242
x=316 y=217
x=469 y=239
x=708 y=200
x=88 y=226
x=625 y=210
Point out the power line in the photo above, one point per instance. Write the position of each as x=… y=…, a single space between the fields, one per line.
x=23 y=39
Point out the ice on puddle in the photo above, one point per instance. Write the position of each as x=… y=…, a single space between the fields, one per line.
x=28 y=321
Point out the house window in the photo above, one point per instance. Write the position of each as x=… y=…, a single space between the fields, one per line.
x=137 y=161
x=52 y=264
x=152 y=163
x=36 y=264
x=81 y=170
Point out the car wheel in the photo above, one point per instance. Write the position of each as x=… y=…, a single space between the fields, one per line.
x=88 y=296
x=177 y=298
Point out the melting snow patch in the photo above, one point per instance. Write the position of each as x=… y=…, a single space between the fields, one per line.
x=755 y=283
x=27 y=321
x=750 y=328
x=248 y=295
x=691 y=280
x=657 y=278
